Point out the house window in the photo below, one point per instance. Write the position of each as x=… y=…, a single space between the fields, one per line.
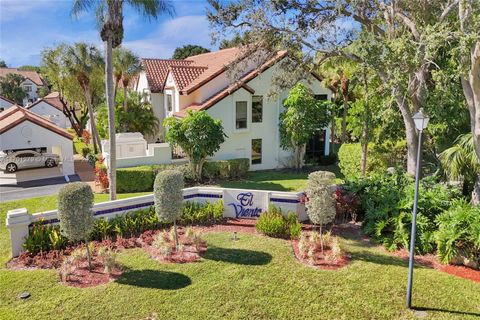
x=169 y=102
x=256 y=151
x=321 y=97
x=27 y=88
x=241 y=114
x=257 y=108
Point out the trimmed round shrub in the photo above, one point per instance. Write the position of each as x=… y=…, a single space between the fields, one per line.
x=168 y=195
x=75 y=201
x=321 y=202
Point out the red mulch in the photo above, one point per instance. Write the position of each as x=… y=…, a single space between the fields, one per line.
x=231 y=225
x=81 y=277
x=320 y=261
x=431 y=261
x=188 y=254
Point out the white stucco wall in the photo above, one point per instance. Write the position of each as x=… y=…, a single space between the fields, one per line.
x=33 y=94
x=30 y=135
x=52 y=113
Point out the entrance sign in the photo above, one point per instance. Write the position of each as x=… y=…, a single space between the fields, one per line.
x=244 y=203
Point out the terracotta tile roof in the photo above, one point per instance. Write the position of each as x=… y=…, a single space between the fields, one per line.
x=156 y=71
x=31 y=75
x=7 y=100
x=215 y=62
x=15 y=115
x=242 y=83
x=184 y=75
x=52 y=99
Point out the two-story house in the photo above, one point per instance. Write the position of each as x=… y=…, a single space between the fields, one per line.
x=250 y=118
x=31 y=85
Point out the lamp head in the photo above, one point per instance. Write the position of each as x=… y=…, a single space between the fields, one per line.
x=421 y=120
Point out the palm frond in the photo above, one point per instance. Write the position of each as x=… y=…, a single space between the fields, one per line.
x=152 y=8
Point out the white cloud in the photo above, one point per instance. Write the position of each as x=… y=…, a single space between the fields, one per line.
x=171 y=34
x=15 y=9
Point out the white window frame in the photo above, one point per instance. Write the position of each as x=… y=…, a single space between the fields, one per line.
x=249 y=114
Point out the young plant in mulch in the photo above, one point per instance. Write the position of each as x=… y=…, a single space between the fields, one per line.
x=77 y=271
x=308 y=249
x=189 y=248
x=75 y=201
x=168 y=198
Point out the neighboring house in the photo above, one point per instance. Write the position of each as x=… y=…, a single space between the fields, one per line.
x=51 y=107
x=32 y=84
x=250 y=119
x=5 y=103
x=22 y=129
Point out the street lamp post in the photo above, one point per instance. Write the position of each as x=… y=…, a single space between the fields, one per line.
x=421 y=122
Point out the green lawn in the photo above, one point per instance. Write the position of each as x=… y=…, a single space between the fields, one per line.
x=277 y=180
x=253 y=278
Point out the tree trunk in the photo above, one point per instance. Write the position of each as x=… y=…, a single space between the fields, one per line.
x=366 y=127
x=92 y=123
x=299 y=153
x=476 y=192
x=89 y=258
x=410 y=133
x=344 y=119
x=176 y=234
x=112 y=163
x=321 y=239
x=125 y=107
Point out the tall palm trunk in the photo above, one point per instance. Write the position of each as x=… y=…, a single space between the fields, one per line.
x=112 y=159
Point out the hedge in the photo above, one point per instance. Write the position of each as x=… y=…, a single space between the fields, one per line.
x=140 y=179
x=350 y=155
x=135 y=179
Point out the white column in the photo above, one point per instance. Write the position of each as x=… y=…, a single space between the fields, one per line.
x=327 y=141
x=17 y=222
x=68 y=167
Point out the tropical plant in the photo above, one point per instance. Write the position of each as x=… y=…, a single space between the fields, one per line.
x=460 y=162
x=199 y=136
x=82 y=61
x=303 y=115
x=110 y=21
x=11 y=87
x=188 y=51
x=168 y=197
x=75 y=201
x=458 y=234
x=126 y=65
x=139 y=117
x=273 y=223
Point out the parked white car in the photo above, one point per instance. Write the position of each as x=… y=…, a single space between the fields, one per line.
x=13 y=161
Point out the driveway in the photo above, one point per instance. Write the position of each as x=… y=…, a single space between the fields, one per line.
x=41 y=181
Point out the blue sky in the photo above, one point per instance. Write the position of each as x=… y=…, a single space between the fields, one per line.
x=28 y=26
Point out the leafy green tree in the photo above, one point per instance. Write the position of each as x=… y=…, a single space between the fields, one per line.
x=168 y=197
x=138 y=118
x=81 y=61
x=199 y=136
x=75 y=201
x=3 y=64
x=400 y=37
x=30 y=68
x=110 y=21
x=303 y=116
x=11 y=87
x=236 y=41
x=126 y=65
x=188 y=51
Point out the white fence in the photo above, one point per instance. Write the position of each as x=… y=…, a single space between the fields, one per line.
x=238 y=203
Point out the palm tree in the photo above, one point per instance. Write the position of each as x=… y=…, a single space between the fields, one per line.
x=110 y=20
x=125 y=65
x=81 y=60
x=460 y=162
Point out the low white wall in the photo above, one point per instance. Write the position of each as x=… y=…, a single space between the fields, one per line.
x=238 y=203
x=156 y=153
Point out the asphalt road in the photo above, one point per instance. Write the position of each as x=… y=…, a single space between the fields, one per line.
x=35 y=188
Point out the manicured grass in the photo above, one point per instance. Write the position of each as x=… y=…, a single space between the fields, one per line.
x=253 y=278
x=277 y=180
x=35 y=205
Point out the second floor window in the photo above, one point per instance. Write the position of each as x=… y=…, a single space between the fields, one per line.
x=169 y=102
x=27 y=88
x=257 y=108
x=241 y=112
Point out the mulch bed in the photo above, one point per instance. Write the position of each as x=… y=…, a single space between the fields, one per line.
x=81 y=277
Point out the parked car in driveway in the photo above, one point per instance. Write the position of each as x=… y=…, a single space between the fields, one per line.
x=14 y=161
